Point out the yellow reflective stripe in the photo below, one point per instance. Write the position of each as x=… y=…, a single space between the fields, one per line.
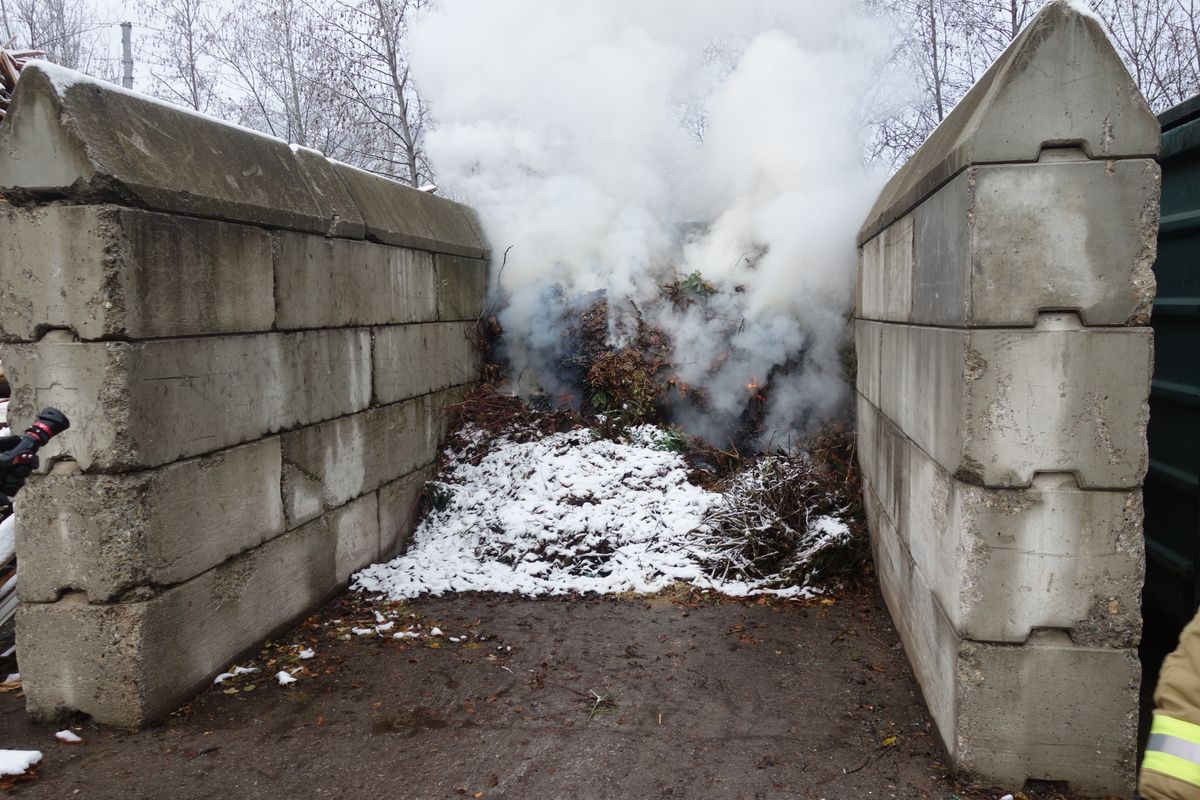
x=1175 y=727
x=1172 y=766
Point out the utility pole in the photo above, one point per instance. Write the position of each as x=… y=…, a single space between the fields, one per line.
x=127 y=54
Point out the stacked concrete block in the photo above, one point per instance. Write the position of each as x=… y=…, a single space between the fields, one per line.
x=1003 y=374
x=257 y=348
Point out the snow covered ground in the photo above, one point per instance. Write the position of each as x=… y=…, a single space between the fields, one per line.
x=566 y=513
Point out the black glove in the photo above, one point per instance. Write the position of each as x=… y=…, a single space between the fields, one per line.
x=12 y=476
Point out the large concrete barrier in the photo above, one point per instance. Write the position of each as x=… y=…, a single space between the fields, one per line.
x=1003 y=375
x=256 y=347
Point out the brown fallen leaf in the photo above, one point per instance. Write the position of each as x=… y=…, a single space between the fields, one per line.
x=8 y=782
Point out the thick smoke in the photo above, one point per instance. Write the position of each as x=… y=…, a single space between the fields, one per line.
x=618 y=145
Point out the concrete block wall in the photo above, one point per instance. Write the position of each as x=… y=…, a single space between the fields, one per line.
x=1003 y=374
x=256 y=347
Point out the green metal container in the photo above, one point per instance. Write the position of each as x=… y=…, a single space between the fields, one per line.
x=1172 y=490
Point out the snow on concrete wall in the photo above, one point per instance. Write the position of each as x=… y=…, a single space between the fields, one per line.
x=1003 y=372
x=256 y=347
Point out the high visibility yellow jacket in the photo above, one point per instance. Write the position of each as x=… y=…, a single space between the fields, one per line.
x=1171 y=767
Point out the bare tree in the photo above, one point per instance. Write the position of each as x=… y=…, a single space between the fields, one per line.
x=378 y=80
x=949 y=44
x=181 y=65
x=934 y=47
x=64 y=29
x=284 y=76
x=1158 y=40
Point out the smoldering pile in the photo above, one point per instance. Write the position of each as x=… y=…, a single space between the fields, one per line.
x=623 y=363
x=589 y=487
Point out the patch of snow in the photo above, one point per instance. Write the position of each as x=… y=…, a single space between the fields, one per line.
x=306 y=654
x=18 y=762
x=457 y=639
x=362 y=631
x=576 y=513
x=1081 y=8
x=70 y=737
x=567 y=513
x=284 y=677
x=8 y=538
x=436 y=632
x=224 y=676
x=8 y=652
x=406 y=635
x=13 y=676
x=380 y=618
x=385 y=627
x=650 y=436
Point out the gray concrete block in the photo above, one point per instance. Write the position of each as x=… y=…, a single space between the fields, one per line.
x=332 y=283
x=329 y=464
x=355 y=529
x=995 y=406
x=399 y=502
x=881 y=456
x=144 y=404
x=930 y=642
x=412 y=360
x=942 y=270
x=1059 y=82
x=885 y=279
x=868 y=351
x=157 y=652
x=1048 y=710
x=462 y=287
x=106 y=272
x=109 y=535
x=330 y=194
x=999 y=244
x=1003 y=563
x=401 y=215
x=76 y=137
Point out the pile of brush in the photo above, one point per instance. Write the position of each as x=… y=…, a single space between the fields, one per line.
x=491 y=413
x=789 y=518
x=11 y=63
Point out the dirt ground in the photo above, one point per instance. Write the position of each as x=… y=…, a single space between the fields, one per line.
x=666 y=697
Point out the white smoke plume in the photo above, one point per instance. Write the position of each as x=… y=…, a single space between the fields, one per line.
x=617 y=145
